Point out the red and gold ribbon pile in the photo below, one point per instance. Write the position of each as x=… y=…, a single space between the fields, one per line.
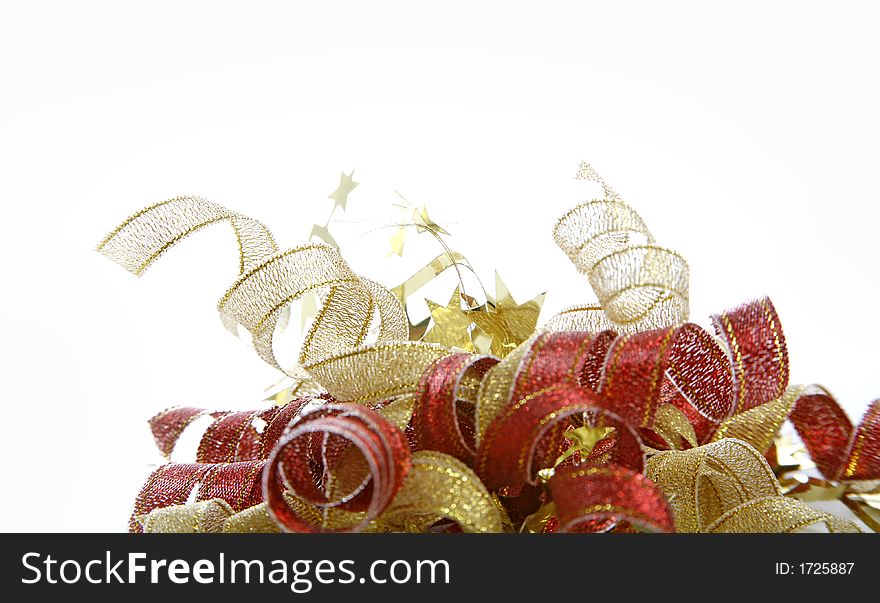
x=619 y=416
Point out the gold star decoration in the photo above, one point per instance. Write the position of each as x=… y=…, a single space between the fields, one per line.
x=583 y=439
x=310 y=301
x=424 y=223
x=323 y=233
x=420 y=219
x=496 y=327
x=505 y=321
x=346 y=185
x=453 y=327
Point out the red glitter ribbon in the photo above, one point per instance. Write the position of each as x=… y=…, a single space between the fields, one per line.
x=840 y=451
x=238 y=483
x=587 y=496
x=310 y=452
x=442 y=421
x=563 y=379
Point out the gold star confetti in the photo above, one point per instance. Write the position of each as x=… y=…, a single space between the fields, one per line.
x=397 y=241
x=323 y=233
x=452 y=326
x=346 y=185
x=583 y=439
x=424 y=223
x=418 y=217
x=505 y=321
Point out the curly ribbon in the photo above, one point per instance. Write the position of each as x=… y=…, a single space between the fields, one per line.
x=142 y=238
x=758 y=352
x=168 y=425
x=758 y=426
x=680 y=365
x=727 y=486
x=207 y=516
x=437 y=486
x=549 y=437
x=585 y=494
x=441 y=485
x=444 y=413
x=528 y=436
x=710 y=382
x=547 y=382
x=840 y=451
x=239 y=484
x=328 y=436
x=640 y=285
x=269 y=280
x=232 y=436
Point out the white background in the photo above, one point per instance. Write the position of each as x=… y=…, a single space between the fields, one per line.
x=745 y=134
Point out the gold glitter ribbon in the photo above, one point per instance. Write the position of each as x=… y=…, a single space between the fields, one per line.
x=208 y=516
x=640 y=285
x=441 y=485
x=727 y=486
x=358 y=350
x=334 y=350
x=759 y=425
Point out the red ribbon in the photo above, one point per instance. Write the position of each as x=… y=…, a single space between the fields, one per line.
x=563 y=380
x=310 y=452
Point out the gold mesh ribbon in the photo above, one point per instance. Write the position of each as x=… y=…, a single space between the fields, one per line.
x=208 y=516
x=640 y=285
x=727 y=486
x=357 y=350
x=270 y=280
x=441 y=485
x=759 y=425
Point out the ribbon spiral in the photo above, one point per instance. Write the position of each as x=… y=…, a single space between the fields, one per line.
x=415 y=436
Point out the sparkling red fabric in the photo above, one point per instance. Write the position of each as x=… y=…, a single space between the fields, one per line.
x=441 y=421
x=239 y=484
x=564 y=380
x=311 y=450
x=758 y=352
x=528 y=436
x=839 y=451
x=594 y=498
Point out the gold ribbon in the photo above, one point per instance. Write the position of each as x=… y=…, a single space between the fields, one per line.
x=727 y=486
x=357 y=349
x=208 y=516
x=270 y=280
x=640 y=285
x=441 y=485
x=759 y=425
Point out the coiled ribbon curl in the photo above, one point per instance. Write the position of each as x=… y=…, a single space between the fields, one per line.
x=415 y=436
